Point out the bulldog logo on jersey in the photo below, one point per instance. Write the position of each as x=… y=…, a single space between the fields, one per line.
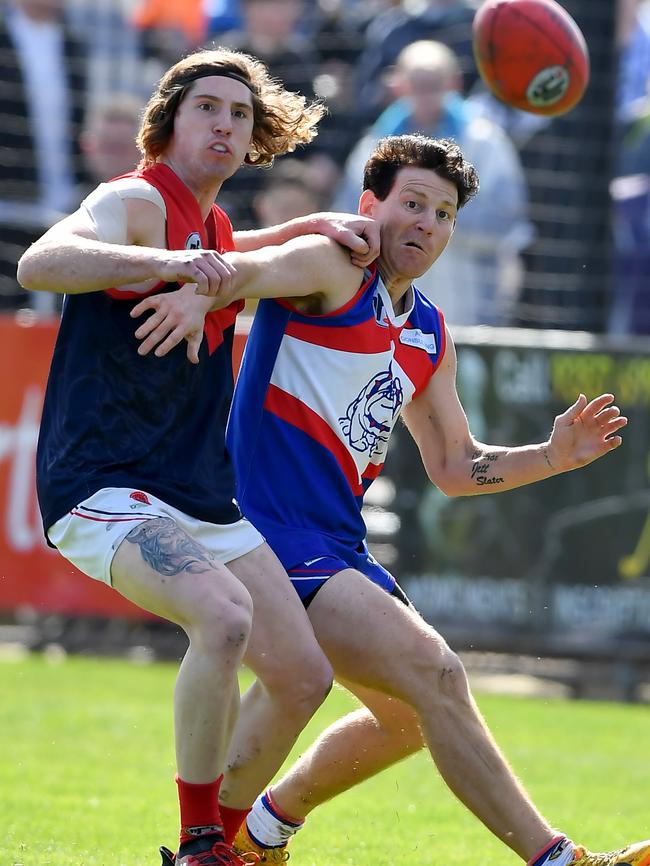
x=193 y=241
x=370 y=417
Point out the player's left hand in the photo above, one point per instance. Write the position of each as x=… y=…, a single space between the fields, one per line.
x=359 y=234
x=585 y=432
x=176 y=316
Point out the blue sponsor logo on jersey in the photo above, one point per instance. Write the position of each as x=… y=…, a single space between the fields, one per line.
x=369 y=418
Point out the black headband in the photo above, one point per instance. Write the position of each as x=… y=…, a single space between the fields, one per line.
x=221 y=73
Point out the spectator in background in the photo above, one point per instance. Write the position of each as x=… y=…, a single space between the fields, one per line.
x=114 y=61
x=633 y=38
x=270 y=32
x=42 y=76
x=108 y=140
x=629 y=311
x=483 y=255
x=287 y=193
x=447 y=21
x=170 y=29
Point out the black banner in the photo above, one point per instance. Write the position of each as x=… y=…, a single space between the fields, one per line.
x=569 y=553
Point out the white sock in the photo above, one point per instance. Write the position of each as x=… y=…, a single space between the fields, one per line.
x=559 y=852
x=268 y=826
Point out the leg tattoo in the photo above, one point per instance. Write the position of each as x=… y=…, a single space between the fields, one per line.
x=169 y=550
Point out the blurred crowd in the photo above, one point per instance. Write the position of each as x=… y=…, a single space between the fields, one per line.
x=75 y=74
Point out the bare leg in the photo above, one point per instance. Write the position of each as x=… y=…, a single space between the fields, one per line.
x=294 y=677
x=385 y=646
x=162 y=569
x=353 y=749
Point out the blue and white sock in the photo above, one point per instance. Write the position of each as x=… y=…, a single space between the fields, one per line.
x=268 y=826
x=559 y=852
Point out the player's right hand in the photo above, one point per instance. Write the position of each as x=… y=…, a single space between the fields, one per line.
x=211 y=272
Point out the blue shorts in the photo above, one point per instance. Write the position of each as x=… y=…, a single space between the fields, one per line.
x=310 y=575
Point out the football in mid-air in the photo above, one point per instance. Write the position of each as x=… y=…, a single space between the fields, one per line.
x=531 y=54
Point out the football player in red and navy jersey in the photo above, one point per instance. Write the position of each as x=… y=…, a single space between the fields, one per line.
x=135 y=482
x=335 y=356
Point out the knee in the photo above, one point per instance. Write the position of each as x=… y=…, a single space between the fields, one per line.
x=441 y=667
x=313 y=683
x=303 y=686
x=222 y=620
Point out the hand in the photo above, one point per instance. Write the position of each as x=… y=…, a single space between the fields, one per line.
x=359 y=234
x=176 y=316
x=212 y=274
x=585 y=432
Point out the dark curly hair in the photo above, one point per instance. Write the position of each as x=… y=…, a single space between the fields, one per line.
x=442 y=155
x=281 y=119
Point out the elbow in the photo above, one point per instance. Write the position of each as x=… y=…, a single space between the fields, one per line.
x=447 y=483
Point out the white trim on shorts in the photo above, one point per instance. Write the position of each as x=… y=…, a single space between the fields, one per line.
x=89 y=535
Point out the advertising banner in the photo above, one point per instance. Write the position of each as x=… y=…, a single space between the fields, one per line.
x=569 y=552
x=33 y=575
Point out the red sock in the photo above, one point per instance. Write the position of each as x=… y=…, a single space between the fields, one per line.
x=232 y=819
x=199 y=804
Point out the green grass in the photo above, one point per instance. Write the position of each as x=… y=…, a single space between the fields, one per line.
x=86 y=775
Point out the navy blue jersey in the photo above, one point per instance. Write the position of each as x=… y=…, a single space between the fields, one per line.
x=114 y=419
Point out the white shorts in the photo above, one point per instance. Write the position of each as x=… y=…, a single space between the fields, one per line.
x=89 y=535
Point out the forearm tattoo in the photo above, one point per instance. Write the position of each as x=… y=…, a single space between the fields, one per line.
x=484 y=469
x=169 y=550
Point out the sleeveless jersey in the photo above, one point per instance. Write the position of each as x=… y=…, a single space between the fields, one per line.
x=114 y=419
x=315 y=403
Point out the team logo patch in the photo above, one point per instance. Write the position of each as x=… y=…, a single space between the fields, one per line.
x=548 y=86
x=193 y=241
x=370 y=417
x=414 y=337
x=139 y=496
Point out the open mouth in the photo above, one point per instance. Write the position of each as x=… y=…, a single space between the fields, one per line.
x=414 y=245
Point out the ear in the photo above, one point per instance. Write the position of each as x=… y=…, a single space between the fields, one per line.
x=367 y=203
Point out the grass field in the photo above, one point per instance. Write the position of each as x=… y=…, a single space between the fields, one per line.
x=86 y=775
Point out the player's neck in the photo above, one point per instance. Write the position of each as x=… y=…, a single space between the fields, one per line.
x=397 y=288
x=399 y=302
x=204 y=193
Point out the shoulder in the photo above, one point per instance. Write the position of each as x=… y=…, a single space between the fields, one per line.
x=127 y=210
x=124 y=188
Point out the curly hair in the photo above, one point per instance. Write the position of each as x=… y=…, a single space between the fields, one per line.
x=282 y=120
x=442 y=155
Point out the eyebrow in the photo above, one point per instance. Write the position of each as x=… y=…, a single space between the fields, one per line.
x=427 y=195
x=212 y=98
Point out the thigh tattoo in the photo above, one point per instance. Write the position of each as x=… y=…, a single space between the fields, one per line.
x=168 y=549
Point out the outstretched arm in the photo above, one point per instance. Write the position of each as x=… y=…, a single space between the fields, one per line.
x=461 y=466
x=359 y=234
x=306 y=266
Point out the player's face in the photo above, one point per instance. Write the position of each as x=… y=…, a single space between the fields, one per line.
x=417 y=220
x=212 y=130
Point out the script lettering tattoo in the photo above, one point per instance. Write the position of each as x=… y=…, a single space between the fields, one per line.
x=169 y=550
x=481 y=466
